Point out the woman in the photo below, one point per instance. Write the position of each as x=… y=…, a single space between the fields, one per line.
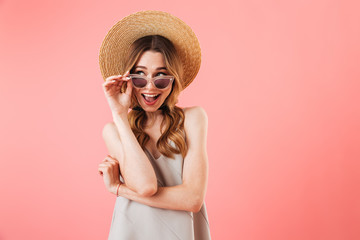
x=157 y=165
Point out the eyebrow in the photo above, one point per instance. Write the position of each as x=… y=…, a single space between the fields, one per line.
x=159 y=68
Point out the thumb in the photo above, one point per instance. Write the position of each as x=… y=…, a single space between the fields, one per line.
x=129 y=87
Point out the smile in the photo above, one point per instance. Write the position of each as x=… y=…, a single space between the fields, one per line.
x=150 y=99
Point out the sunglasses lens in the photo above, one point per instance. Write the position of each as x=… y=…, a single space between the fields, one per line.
x=162 y=83
x=139 y=82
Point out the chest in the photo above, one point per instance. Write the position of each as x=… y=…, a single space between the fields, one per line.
x=154 y=134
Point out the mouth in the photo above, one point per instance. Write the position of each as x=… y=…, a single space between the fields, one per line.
x=150 y=99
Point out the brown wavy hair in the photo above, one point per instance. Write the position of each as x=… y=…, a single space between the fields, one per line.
x=173 y=121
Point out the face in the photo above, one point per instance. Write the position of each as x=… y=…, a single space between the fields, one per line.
x=151 y=64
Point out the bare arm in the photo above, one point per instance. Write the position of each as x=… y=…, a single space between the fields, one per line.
x=188 y=196
x=136 y=168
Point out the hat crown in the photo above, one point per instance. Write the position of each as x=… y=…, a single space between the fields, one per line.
x=118 y=40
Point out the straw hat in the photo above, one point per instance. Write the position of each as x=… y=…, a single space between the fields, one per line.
x=120 y=37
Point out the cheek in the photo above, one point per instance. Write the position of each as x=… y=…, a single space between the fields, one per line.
x=136 y=92
x=167 y=93
x=136 y=96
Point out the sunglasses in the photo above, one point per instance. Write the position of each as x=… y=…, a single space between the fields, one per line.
x=160 y=82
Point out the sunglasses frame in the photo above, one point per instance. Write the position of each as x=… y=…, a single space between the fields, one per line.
x=152 y=80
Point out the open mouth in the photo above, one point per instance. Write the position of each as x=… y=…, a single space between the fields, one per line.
x=150 y=98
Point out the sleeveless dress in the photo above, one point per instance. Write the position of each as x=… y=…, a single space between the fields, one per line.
x=135 y=221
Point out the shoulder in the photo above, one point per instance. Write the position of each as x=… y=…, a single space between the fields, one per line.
x=195 y=115
x=196 y=121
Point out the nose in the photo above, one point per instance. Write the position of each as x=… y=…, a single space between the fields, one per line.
x=150 y=85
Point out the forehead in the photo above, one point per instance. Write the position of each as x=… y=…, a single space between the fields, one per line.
x=151 y=60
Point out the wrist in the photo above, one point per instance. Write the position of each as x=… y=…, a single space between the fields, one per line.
x=120 y=120
x=119 y=115
x=116 y=189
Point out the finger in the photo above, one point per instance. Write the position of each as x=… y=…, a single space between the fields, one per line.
x=107 y=162
x=113 y=77
x=110 y=82
x=129 y=88
x=127 y=74
x=100 y=170
x=125 y=78
x=120 y=84
x=108 y=86
x=110 y=159
x=112 y=162
x=104 y=165
x=115 y=84
x=105 y=169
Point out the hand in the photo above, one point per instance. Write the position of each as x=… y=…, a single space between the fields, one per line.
x=109 y=169
x=119 y=102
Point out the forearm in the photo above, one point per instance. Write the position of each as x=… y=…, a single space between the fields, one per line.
x=180 y=197
x=136 y=168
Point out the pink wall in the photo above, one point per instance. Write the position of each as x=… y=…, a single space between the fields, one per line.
x=279 y=81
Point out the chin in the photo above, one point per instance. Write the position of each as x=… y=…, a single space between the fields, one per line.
x=150 y=109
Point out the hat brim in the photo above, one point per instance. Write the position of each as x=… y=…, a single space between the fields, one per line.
x=120 y=37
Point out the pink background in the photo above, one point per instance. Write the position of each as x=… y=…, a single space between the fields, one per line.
x=279 y=81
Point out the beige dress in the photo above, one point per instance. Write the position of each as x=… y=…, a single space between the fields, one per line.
x=135 y=221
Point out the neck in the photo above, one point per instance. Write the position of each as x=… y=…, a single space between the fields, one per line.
x=153 y=117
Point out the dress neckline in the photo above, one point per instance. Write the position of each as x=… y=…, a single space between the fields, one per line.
x=153 y=155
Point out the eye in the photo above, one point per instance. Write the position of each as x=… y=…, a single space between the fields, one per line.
x=161 y=74
x=139 y=72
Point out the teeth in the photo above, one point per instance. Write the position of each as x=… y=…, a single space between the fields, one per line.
x=150 y=95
